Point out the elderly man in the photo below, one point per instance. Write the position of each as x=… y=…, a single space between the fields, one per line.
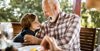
x=60 y=32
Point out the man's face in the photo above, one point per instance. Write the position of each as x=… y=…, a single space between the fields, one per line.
x=47 y=11
x=50 y=11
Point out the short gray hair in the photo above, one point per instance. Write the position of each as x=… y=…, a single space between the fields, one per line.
x=51 y=3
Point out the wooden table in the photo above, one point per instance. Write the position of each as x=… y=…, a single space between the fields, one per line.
x=22 y=47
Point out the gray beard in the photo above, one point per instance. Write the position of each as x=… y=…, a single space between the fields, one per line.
x=50 y=19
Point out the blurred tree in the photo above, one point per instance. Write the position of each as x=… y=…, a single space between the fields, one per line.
x=90 y=18
x=14 y=9
x=17 y=8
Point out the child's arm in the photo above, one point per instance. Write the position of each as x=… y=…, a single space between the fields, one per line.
x=29 y=39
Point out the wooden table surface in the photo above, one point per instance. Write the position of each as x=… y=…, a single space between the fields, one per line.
x=22 y=47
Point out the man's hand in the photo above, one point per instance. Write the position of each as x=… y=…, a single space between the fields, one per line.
x=45 y=44
x=49 y=43
x=29 y=39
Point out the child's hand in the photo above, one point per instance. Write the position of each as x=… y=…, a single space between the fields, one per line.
x=29 y=39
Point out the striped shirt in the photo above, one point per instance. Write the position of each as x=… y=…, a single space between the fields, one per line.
x=65 y=30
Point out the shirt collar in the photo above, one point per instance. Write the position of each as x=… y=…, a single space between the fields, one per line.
x=59 y=16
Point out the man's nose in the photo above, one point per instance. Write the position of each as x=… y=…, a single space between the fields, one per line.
x=39 y=23
x=46 y=14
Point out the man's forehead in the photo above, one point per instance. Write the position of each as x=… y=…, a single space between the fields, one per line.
x=46 y=6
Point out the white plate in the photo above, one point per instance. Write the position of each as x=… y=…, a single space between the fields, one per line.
x=28 y=48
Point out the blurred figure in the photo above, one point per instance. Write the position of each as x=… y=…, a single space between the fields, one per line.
x=5 y=44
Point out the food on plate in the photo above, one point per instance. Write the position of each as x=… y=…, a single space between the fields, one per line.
x=33 y=49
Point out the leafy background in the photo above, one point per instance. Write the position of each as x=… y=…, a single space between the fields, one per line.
x=12 y=11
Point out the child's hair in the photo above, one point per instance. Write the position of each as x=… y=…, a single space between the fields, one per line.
x=27 y=19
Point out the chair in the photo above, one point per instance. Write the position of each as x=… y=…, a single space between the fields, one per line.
x=87 y=39
x=16 y=28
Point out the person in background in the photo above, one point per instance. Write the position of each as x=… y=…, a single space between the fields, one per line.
x=61 y=31
x=30 y=26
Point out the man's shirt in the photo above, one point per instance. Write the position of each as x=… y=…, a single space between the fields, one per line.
x=65 y=30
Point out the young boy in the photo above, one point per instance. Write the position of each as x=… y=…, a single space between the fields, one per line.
x=30 y=25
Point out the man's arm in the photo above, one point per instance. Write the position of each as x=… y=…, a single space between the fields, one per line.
x=72 y=33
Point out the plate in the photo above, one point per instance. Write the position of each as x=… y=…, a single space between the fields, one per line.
x=30 y=48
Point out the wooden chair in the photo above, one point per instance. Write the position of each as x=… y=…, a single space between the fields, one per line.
x=87 y=39
x=16 y=28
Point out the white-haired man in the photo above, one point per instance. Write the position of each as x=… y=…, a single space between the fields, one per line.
x=61 y=31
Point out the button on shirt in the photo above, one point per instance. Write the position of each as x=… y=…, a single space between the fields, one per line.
x=65 y=30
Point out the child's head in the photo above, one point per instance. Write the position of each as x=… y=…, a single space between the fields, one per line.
x=30 y=21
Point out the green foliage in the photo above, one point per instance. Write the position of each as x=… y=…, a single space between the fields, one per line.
x=66 y=5
x=16 y=8
x=90 y=18
x=19 y=7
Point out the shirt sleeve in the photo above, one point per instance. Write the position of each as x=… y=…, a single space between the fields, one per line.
x=71 y=36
